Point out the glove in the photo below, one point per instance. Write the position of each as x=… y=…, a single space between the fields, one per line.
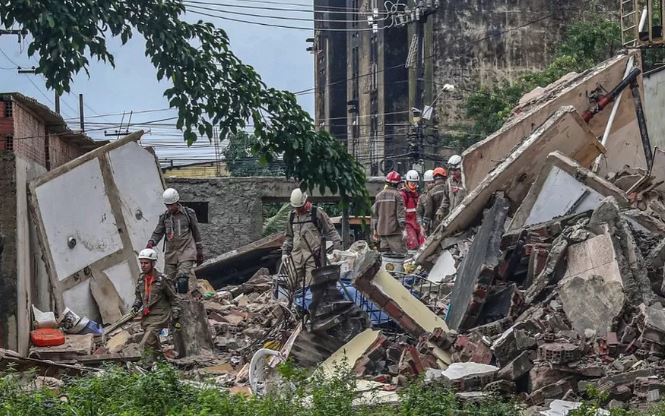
x=375 y=237
x=199 y=257
x=404 y=235
x=150 y=244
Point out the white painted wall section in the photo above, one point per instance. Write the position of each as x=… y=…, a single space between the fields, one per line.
x=121 y=277
x=75 y=205
x=558 y=194
x=137 y=178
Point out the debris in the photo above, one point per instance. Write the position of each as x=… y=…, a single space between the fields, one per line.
x=72 y=348
x=350 y=353
x=597 y=314
x=477 y=270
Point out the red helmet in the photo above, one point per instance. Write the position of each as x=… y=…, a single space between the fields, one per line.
x=439 y=172
x=393 y=177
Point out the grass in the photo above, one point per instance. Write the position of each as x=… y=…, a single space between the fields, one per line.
x=162 y=391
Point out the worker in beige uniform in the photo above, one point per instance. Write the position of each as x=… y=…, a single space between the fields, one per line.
x=307 y=229
x=454 y=192
x=389 y=217
x=432 y=200
x=182 y=239
x=156 y=301
x=428 y=181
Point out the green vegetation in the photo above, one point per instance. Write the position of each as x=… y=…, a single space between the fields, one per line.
x=241 y=161
x=162 y=392
x=585 y=44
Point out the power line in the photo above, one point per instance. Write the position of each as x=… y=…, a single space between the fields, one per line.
x=321 y=10
x=282 y=26
x=288 y=18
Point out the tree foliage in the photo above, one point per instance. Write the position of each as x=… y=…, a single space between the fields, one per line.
x=210 y=86
x=586 y=43
x=241 y=159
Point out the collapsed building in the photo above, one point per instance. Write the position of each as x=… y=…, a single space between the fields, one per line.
x=547 y=278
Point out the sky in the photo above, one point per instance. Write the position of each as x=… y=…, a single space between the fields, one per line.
x=278 y=54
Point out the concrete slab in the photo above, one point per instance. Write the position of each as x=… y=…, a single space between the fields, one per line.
x=348 y=354
x=476 y=274
x=458 y=371
x=444 y=267
x=565 y=132
x=624 y=145
x=412 y=308
x=563 y=187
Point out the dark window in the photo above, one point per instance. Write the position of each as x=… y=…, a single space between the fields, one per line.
x=9 y=143
x=200 y=208
x=8 y=109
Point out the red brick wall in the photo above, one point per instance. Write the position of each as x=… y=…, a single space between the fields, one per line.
x=62 y=152
x=6 y=126
x=30 y=140
x=29 y=136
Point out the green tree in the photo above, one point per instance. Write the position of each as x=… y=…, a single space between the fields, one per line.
x=210 y=86
x=241 y=159
x=586 y=43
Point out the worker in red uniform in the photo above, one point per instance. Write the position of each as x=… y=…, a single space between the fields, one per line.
x=414 y=232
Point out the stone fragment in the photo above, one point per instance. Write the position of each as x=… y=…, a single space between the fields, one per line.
x=518 y=367
x=595 y=314
x=116 y=343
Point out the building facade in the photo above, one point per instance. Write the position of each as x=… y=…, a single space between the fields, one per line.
x=466 y=44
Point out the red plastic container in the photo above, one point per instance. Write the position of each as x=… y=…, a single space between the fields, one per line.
x=47 y=337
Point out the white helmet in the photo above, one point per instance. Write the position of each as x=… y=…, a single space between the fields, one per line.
x=412 y=176
x=170 y=196
x=429 y=175
x=298 y=198
x=148 y=254
x=454 y=161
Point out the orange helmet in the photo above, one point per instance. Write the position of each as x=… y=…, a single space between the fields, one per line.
x=440 y=172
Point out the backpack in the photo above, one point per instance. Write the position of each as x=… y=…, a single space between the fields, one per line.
x=313 y=218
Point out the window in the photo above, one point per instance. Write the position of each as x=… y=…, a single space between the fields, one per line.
x=8 y=109
x=9 y=143
x=200 y=208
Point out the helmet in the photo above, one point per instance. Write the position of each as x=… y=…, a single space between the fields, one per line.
x=148 y=254
x=393 y=177
x=412 y=176
x=429 y=176
x=454 y=161
x=440 y=172
x=170 y=196
x=298 y=198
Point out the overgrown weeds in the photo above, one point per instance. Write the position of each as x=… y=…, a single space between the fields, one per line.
x=162 y=391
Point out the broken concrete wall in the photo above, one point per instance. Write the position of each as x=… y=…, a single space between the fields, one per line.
x=235 y=206
x=91 y=240
x=563 y=187
x=565 y=131
x=477 y=269
x=622 y=144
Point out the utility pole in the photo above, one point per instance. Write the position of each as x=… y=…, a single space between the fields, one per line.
x=416 y=58
x=81 y=116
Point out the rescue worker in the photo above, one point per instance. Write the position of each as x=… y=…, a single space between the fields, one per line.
x=308 y=226
x=414 y=232
x=389 y=217
x=432 y=200
x=182 y=240
x=428 y=180
x=454 y=191
x=156 y=300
